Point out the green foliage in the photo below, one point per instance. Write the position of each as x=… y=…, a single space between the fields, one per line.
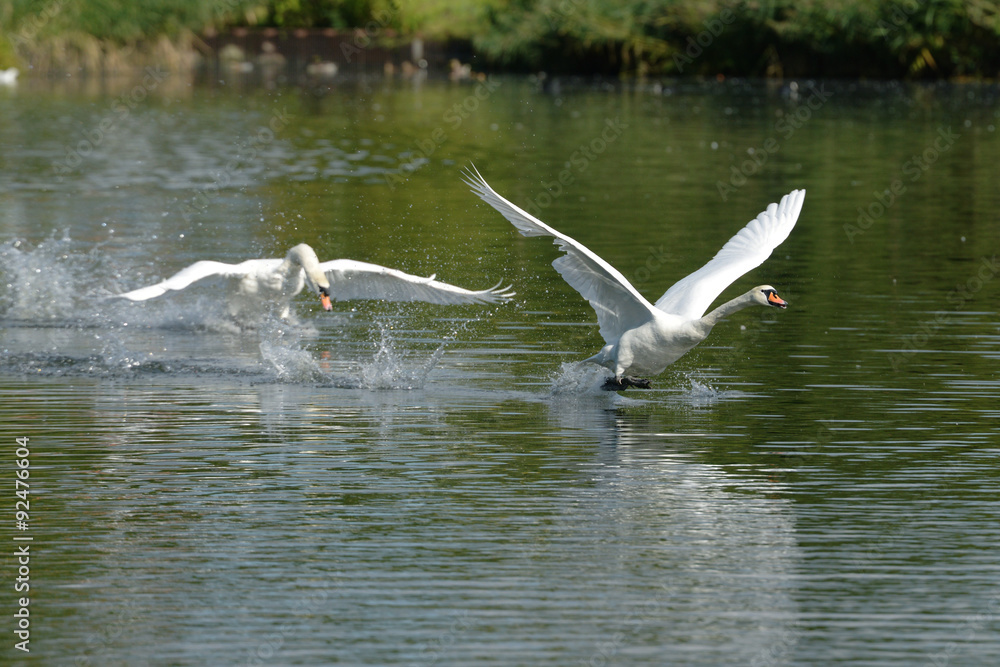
x=118 y=21
x=327 y=14
x=442 y=19
x=902 y=38
x=951 y=37
x=760 y=37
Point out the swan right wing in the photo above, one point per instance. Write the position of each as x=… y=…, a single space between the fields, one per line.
x=192 y=274
x=618 y=305
x=351 y=279
x=691 y=296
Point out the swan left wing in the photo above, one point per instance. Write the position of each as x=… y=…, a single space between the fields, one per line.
x=618 y=305
x=691 y=296
x=350 y=279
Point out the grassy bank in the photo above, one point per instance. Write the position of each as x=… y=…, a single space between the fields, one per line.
x=842 y=38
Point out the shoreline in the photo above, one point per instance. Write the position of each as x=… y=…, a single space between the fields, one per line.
x=315 y=54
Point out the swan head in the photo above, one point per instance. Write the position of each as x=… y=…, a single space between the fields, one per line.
x=766 y=295
x=324 y=297
x=305 y=256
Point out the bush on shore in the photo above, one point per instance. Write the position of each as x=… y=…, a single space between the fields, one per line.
x=843 y=38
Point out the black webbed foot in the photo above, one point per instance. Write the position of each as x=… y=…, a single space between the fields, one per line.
x=624 y=382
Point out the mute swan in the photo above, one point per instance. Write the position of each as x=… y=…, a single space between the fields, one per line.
x=646 y=338
x=277 y=281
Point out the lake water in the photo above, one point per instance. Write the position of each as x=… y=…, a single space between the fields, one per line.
x=423 y=485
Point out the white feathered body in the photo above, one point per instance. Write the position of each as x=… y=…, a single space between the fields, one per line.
x=649 y=348
x=273 y=282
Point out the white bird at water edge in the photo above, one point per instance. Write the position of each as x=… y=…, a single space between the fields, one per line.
x=256 y=284
x=642 y=337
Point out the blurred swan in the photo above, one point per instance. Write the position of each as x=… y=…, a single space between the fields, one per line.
x=642 y=337
x=259 y=282
x=322 y=68
x=8 y=77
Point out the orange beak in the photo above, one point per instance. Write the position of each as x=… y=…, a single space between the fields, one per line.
x=325 y=300
x=776 y=300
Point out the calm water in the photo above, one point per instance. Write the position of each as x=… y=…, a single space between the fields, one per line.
x=417 y=485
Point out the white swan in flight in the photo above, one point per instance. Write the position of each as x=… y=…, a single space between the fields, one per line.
x=274 y=282
x=645 y=338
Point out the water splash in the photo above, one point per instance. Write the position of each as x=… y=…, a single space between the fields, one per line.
x=281 y=350
x=285 y=355
x=389 y=368
x=576 y=377
x=291 y=364
x=62 y=282
x=58 y=319
x=115 y=354
x=48 y=281
x=702 y=395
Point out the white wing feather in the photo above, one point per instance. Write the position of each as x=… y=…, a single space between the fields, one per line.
x=691 y=296
x=350 y=279
x=618 y=304
x=194 y=273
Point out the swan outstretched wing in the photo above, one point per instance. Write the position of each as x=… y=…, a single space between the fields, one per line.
x=350 y=279
x=618 y=304
x=192 y=274
x=691 y=296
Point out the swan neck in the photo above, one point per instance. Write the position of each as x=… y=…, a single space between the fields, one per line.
x=302 y=257
x=728 y=308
